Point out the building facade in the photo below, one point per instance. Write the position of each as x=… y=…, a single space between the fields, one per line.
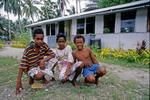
x=121 y=26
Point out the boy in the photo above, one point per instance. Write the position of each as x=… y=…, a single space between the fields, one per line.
x=68 y=70
x=33 y=56
x=91 y=70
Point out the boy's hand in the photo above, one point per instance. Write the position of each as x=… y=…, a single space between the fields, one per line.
x=18 y=87
x=42 y=64
x=68 y=70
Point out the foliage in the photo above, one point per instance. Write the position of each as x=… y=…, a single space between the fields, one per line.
x=49 y=10
x=1 y=44
x=4 y=23
x=18 y=45
x=108 y=3
x=72 y=45
x=21 y=24
x=130 y=56
x=15 y=26
x=21 y=40
x=29 y=9
x=106 y=30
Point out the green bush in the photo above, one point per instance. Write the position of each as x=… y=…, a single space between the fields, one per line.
x=18 y=45
x=130 y=56
x=21 y=40
x=1 y=45
x=72 y=45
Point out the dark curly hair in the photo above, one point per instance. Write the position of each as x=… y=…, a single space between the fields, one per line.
x=59 y=36
x=77 y=37
x=37 y=31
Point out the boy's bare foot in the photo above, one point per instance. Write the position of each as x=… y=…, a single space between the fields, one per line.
x=74 y=84
x=63 y=81
x=31 y=80
x=96 y=80
x=53 y=79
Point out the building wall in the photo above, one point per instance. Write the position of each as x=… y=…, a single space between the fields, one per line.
x=99 y=24
x=123 y=40
x=52 y=41
x=118 y=23
x=74 y=26
x=44 y=30
x=116 y=40
x=141 y=20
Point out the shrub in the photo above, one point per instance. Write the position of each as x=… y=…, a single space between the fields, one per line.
x=18 y=45
x=1 y=45
x=72 y=45
x=21 y=40
x=130 y=56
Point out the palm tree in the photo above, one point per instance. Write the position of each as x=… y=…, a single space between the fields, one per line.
x=62 y=5
x=49 y=10
x=29 y=9
x=6 y=4
x=17 y=10
x=78 y=6
x=71 y=10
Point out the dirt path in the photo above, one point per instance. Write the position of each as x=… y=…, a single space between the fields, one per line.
x=139 y=75
x=12 y=52
x=124 y=73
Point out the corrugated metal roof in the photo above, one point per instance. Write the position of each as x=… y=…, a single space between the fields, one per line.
x=132 y=5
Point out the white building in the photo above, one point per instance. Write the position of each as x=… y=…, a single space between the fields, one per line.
x=119 y=26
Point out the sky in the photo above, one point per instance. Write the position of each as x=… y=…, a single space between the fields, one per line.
x=13 y=18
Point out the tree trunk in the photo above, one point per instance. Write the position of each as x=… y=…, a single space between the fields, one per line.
x=76 y=6
x=20 y=26
x=9 y=34
x=79 y=6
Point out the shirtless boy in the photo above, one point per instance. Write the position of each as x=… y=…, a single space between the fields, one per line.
x=91 y=70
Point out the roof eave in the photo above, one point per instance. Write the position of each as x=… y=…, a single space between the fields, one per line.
x=133 y=5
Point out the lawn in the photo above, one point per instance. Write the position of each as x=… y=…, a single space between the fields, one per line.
x=110 y=87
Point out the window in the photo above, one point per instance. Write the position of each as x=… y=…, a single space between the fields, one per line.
x=90 y=25
x=148 y=20
x=47 y=29
x=80 y=26
x=109 y=23
x=61 y=27
x=128 y=21
x=52 y=29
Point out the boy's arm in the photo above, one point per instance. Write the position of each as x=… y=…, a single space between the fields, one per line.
x=93 y=57
x=68 y=70
x=74 y=57
x=50 y=54
x=18 y=82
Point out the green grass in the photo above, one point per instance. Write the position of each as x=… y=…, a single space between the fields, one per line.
x=109 y=88
x=123 y=62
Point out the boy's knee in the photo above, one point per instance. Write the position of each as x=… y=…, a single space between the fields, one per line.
x=102 y=71
x=39 y=76
x=90 y=79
